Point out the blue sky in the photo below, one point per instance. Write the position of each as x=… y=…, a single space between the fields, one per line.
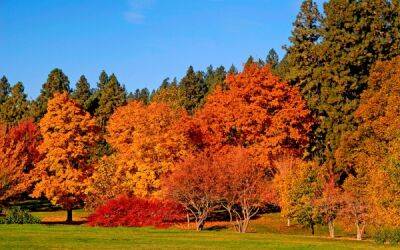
x=141 y=41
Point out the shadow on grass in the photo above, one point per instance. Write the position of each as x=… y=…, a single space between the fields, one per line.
x=74 y=223
x=215 y=228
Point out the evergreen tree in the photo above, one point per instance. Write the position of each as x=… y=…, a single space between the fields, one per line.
x=250 y=60
x=350 y=47
x=110 y=96
x=272 y=59
x=4 y=89
x=214 y=77
x=165 y=83
x=301 y=58
x=194 y=89
x=16 y=107
x=103 y=80
x=232 y=70
x=56 y=82
x=330 y=59
x=142 y=95
x=82 y=92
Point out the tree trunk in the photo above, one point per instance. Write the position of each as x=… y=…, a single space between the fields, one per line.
x=200 y=224
x=360 y=231
x=331 y=227
x=69 y=215
x=188 y=220
x=312 y=228
x=288 y=222
x=230 y=215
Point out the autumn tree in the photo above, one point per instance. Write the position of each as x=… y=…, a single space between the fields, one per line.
x=356 y=208
x=241 y=184
x=304 y=195
x=284 y=183
x=18 y=155
x=57 y=82
x=330 y=203
x=104 y=183
x=370 y=153
x=68 y=134
x=192 y=184
x=256 y=109
x=146 y=144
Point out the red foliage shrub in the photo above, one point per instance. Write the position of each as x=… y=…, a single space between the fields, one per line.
x=137 y=212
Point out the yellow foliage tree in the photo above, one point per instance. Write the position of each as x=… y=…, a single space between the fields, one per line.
x=147 y=142
x=68 y=135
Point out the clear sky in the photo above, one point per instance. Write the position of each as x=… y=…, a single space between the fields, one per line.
x=141 y=41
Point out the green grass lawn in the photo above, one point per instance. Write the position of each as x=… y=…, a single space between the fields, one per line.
x=268 y=232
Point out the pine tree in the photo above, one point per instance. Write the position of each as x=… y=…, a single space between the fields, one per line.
x=110 y=96
x=194 y=88
x=350 y=47
x=165 y=83
x=57 y=82
x=103 y=80
x=330 y=59
x=232 y=70
x=4 y=89
x=214 y=77
x=142 y=95
x=16 y=107
x=250 y=60
x=272 y=59
x=306 y=33
x=82 y=92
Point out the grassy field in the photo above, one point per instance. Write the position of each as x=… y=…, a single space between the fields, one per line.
x=268 y=232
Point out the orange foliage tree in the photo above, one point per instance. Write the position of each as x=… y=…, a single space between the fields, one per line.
x=68 y=135
x=146 y=145
x=330 y=204
x=370 y=153
x=192 y=183
x=18 y=155
x=241 y=184
x=255 y=109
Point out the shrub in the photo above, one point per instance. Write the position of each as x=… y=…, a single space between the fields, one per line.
x=18 y=216
x=387 y=235
x=136 y=212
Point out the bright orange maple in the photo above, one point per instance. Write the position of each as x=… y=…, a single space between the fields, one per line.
x=256 y=109
x=68 y=135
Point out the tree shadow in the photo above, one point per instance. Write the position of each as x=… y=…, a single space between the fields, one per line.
x=74 y=223
x=215 y=228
